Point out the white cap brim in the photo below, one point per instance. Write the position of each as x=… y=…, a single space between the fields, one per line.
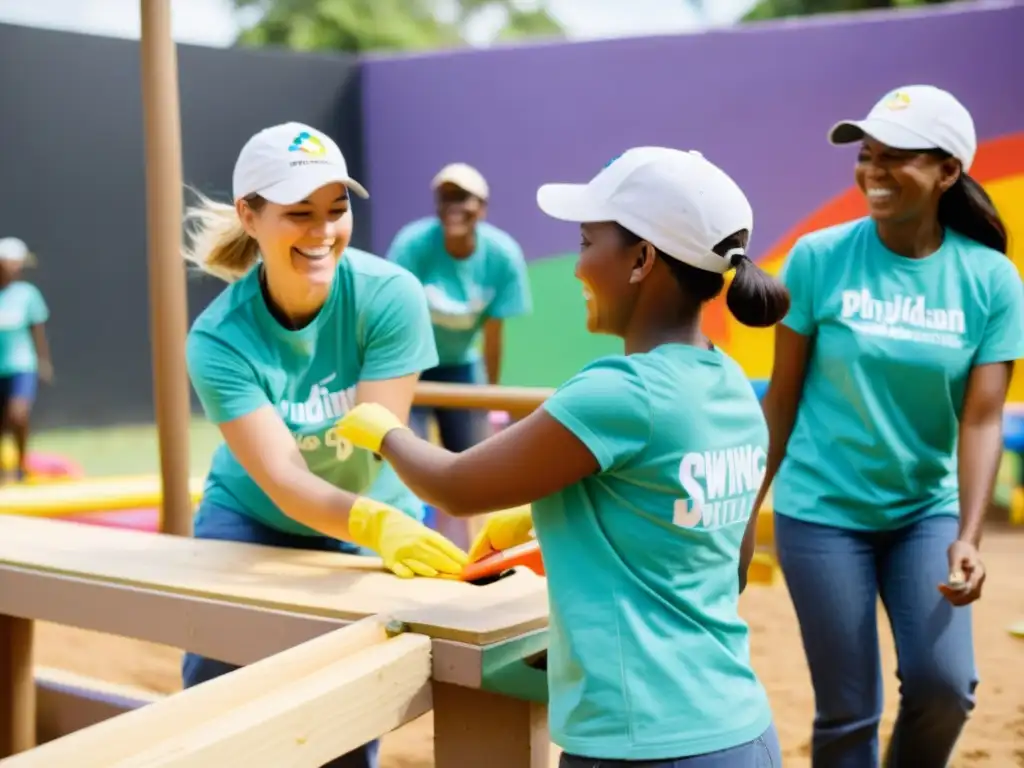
x=573 y=202
x=301 y=185
x=891 y=134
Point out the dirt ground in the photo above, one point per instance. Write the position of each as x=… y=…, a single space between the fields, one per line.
x=994 y=736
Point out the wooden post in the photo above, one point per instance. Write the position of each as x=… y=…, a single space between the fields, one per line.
x=168 y=300
x=17 y=687
x=474 y=727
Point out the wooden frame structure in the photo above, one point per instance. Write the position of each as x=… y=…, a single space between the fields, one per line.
x=468 y=652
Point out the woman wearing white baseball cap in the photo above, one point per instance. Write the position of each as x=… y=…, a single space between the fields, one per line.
x=24 y=350
x=641 y=471
x=885 y=409
x=307 y=328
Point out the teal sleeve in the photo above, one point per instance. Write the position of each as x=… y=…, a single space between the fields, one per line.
x=398 y=337
x=402 y=250
x=1003 y=339
x=224 y=381
x=512 y=296
x=38 y=312
x=798 y=276
x=607 y=407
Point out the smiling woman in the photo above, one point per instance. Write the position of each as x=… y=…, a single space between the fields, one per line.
x=885 y=412
x=307 y=328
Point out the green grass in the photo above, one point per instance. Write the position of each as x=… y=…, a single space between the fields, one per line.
x=126 y=450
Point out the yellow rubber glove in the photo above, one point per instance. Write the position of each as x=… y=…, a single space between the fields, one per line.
x=366 y=425
x=407 y=547
x=503 y=530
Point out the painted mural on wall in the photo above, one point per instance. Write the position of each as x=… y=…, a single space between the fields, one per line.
x=757 y=100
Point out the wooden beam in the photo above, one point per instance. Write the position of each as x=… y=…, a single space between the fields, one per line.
x=310 y=720
x=479 y=728
x=112 y=741
x=168 y=297
x=17 y=687
x=518 y=401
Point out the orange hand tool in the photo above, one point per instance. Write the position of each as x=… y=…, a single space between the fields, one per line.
x=490 y=568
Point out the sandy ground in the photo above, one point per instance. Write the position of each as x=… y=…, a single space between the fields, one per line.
x=994 y=736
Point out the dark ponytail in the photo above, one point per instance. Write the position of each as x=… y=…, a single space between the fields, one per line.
x=967 y=208
x=755 y=298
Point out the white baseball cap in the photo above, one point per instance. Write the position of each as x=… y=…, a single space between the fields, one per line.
x=678 y=201
x=916 y=117
x=13 y=249
x=463 y=176
x=285 y=163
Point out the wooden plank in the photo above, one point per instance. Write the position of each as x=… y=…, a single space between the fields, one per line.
x=325 y=584
x=121 y=737
x=478 y=728
x=311 y=720
x=237 y=633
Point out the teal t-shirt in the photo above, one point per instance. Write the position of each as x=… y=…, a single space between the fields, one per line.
x=464 y=293
x=375 y=325
x=21 y=307
x=874 y=442
x=648 y=657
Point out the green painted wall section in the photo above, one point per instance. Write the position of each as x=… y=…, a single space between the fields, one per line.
x=549 y=346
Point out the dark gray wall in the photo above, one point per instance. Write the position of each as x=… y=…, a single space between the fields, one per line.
x=72 y=185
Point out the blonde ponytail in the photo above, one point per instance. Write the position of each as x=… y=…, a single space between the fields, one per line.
x=217 y=243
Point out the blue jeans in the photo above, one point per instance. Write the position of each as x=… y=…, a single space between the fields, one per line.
x=213 y=522
x=459 y=429
x=762 y=752
x=835 y=578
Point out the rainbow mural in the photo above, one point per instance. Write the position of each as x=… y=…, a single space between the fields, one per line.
x=535 y=114
x=999 y=167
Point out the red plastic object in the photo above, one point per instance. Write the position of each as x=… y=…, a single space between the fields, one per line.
x=525 y=554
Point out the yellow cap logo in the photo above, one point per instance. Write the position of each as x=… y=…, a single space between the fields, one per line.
x=899 y=100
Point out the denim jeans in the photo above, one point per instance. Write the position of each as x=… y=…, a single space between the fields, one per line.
x=213 y=522
x=762 y=752
x=459 y=429
x=835 y=578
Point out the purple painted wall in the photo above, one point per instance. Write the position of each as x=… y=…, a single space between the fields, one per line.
x=757 y=100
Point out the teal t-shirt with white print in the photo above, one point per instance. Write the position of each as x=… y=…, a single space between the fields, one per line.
x=374 y=325
x=648 y=656
x=464 y=293
x=874 y=443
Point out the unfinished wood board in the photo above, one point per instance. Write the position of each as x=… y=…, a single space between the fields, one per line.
x=340 y=586
x=292 y=708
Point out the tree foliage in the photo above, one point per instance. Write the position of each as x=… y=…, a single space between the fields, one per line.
x=386 y=25
x=774 y=9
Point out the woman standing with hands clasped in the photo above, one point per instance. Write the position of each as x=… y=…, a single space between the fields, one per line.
x=885 y=410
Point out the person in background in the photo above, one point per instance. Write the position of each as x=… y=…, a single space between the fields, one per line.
x=24 y=350
x=474 y=275
x=307 y=328
x=641 y=499
x=885 y=410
